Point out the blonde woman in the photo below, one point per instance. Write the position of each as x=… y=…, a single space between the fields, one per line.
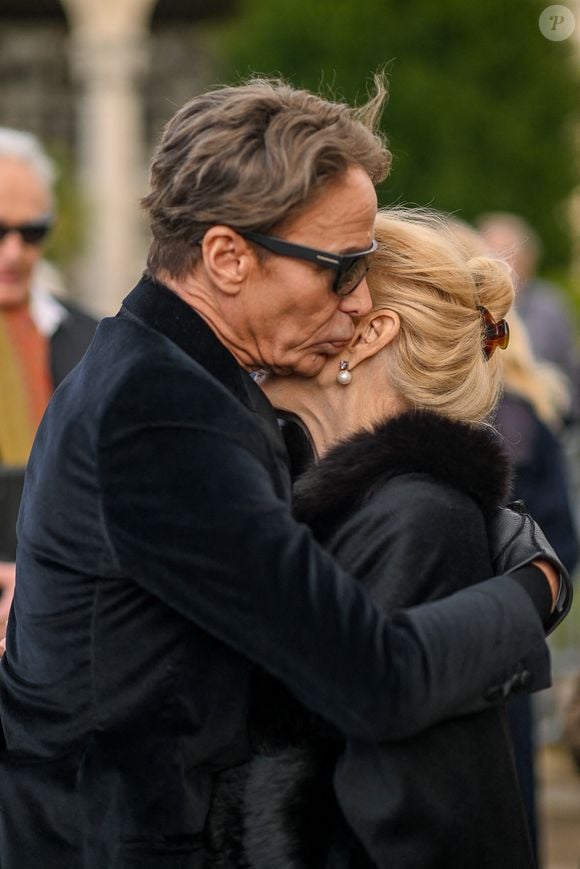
x=407 y=470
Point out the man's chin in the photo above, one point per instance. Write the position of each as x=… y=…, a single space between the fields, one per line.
x=309 y=366
x=308 y=363
x=12 y=294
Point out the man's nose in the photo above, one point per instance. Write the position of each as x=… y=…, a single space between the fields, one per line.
x=12 y=245
x=359 y=302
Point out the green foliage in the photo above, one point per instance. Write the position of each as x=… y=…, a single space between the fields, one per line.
x=482 y=106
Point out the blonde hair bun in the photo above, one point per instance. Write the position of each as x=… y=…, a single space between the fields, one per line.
x=423 y=273
x=493 y=283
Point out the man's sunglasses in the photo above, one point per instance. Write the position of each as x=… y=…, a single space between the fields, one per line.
x=31 y=233
x=350 y=268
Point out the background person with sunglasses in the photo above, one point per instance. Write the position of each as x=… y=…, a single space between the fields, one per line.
x=158 y=560
x=41 y=337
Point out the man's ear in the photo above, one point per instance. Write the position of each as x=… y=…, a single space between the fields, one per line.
x=227 y=258
x=374 y=332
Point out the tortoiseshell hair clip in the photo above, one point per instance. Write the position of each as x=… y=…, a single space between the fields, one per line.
x=494 y=334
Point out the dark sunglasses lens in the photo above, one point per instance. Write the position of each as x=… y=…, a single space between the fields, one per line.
x=31 y=233
x=350 y=278
x=35 y=233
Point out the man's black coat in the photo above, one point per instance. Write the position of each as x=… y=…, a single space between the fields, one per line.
x=157 y=559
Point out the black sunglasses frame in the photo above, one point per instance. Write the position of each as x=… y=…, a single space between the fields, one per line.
x=341 y=263
x=32 y=233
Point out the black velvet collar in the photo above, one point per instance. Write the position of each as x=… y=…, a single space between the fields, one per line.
x=466 y=456
x=158 y=307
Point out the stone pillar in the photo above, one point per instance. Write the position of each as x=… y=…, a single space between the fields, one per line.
x=109 y=52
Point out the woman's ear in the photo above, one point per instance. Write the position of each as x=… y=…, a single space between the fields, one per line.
x=374 y=332
x=227 y=258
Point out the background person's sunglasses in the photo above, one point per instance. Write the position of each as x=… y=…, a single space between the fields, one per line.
x=350 y=268
x=30 y=233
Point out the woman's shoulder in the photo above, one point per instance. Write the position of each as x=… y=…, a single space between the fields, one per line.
x=404 y=508
x=416 y=450
x=414 y=538
x=421 y=496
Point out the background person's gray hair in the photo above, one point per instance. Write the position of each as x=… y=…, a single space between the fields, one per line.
x=523 y=234
x=18 y=145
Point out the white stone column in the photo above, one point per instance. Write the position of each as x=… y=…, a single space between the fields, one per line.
x=109 y=51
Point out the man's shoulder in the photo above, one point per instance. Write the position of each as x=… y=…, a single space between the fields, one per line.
x=138 y=376
x=139 y=357
x=78 y=316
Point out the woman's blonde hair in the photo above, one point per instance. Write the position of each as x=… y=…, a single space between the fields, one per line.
x=541 y=383
x=423 y=273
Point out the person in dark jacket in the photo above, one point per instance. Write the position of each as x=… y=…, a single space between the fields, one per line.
x=409 y=473
x=41 y=337
x=530 y=417
x=158 y=560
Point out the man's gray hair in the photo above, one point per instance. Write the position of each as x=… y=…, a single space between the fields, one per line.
x=252 y=156
x=18 y=145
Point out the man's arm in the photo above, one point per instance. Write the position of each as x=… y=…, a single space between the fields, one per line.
x=192 y=518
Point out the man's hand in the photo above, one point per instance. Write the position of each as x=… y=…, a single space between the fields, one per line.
x=7 y=581
x=553 y=579
x=515 y=541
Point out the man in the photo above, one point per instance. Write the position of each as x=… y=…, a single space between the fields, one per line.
x=158 y=560
x=41 y=338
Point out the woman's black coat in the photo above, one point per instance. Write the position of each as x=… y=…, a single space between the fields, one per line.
x=415 y=495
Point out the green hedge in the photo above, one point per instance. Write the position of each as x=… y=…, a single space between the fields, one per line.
x=482 y=106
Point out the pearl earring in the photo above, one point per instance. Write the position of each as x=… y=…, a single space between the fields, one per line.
x=344 y=376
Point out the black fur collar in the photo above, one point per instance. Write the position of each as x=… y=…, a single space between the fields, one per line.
x=468 y=457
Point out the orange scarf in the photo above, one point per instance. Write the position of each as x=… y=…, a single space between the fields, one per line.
x=25 y=383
